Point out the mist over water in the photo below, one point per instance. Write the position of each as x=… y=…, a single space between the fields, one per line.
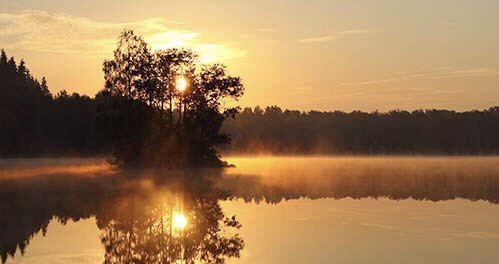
x=370 y=134
x=384 y=209
x=423 y=178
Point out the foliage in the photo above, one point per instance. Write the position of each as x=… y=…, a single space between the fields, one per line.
x=149 y=121
x=35 y=123
x=272 y=130
x=141 y=126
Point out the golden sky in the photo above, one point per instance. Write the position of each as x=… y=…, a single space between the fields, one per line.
x=317 y=54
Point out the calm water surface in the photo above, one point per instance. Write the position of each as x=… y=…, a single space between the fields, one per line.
x=267 y=210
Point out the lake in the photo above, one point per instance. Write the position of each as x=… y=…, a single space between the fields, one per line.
x=265 y=210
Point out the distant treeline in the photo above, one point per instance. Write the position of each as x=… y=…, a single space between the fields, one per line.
x=272 y=130
x=34 y=123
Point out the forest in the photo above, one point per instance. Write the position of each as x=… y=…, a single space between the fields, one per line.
x=37 y=123
x=157 y=109
x=34 y=122
x=273 y=130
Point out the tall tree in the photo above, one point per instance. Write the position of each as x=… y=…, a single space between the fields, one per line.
x=128 y=74
x=140 y=84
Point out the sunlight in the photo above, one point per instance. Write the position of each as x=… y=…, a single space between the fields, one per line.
x=181 y=84
x=179 y=220
x=208 y=52
x=171 y=39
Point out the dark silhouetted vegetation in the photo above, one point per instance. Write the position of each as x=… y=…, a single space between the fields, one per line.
x=136 y=118
x=161 y=108
x=272 y=130
x=157 y=109
x=35 y=123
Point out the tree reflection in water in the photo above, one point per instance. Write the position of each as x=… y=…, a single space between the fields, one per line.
x=140 y=230
x=134 y=209
x=133 y=213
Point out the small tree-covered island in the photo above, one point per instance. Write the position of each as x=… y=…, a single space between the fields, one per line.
x=162 y=108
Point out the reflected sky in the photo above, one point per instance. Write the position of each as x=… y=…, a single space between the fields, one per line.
x=267 y=210
x=142 y=216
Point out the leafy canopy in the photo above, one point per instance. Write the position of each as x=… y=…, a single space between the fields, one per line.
x=151 y=122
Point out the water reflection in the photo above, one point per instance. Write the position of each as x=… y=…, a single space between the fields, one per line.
x=142 y=219
x=164 y=217
x=273 y=180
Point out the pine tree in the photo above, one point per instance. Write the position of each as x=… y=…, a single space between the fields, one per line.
x=44 y=87
x=21 y=69
x=3 y=58
x=11 y=64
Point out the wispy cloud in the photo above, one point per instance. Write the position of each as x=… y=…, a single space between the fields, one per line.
x=442 y=73
x=476 y=235
x=48 y=32
x=356 y=31
x=319 y=39
x=334 y=36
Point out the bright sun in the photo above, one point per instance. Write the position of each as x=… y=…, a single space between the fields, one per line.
x=181 y=84
x=179 y=221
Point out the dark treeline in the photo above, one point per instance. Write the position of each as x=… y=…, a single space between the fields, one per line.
x=272 y=130
x=34 y=123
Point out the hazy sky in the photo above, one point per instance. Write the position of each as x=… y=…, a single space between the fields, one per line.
x=324 y=55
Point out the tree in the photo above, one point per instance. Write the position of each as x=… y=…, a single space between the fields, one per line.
x=141 y=86
x=129 y=74
x=169 y=63
x=44 y=88
x=204 y=115
x=11 y=65
x=3 y=58
x=21 y=69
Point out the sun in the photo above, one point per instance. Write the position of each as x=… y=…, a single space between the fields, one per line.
x=181 y=84
x=179 y=221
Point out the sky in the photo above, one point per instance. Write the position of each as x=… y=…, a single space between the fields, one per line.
x=317 y=54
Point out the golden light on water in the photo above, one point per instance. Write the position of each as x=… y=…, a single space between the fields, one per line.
x=181 y=84
x=179 y=221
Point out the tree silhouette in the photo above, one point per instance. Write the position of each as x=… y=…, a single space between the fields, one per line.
x=136 y=118
x=277 y=131
x=34 y=123
x=141 y=87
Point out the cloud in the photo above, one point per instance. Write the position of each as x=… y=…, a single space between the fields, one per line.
x=335 y=36
x=47 y=32
x=356 y=31
x=442 y=73
x=319 y=39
